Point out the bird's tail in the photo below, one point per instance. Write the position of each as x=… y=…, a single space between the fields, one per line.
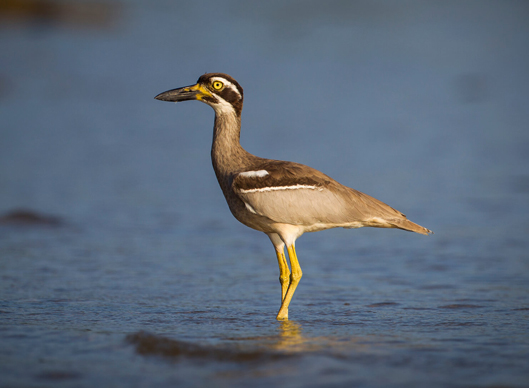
x=409 y=226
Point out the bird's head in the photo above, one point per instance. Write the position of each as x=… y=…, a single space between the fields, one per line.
x=218 y=90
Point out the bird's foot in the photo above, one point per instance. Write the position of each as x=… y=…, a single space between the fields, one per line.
x=282 y=315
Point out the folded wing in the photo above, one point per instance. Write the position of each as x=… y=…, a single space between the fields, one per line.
x=296 y=194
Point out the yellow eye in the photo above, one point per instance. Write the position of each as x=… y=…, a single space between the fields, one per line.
x=217 y=85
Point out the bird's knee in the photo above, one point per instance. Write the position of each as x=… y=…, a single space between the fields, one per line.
x=296 y=276
x=284 y=279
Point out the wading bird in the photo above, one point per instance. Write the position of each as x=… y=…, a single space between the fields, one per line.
x=282 y=199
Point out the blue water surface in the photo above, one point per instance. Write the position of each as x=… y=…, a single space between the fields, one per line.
x=120 y=264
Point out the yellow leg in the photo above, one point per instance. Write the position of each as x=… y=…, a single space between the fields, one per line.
x=295 y=277
x=284 y=273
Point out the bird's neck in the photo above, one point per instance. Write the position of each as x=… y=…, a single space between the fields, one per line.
x=227 y=154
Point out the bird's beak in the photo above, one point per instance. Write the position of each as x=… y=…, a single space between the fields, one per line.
x=195 y=92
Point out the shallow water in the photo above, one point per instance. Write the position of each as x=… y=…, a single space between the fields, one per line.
x=129 y=270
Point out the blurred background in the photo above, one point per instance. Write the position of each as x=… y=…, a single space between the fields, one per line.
x=108 y=195
x=423 y=103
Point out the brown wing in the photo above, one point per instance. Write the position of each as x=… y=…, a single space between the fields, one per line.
x=296 y=194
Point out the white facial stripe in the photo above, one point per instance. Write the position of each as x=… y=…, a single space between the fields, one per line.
x=221 y=106
x=254 y=174
x=227 y=84
x=277 y=188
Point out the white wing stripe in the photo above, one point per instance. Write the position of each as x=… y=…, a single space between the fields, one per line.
x=276 y=188
x=254 y=174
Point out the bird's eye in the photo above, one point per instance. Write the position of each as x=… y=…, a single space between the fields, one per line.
x=217 y=85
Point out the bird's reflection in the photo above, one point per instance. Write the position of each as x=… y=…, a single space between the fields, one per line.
x=287 y=341
x=290 y=340
x=290 y=337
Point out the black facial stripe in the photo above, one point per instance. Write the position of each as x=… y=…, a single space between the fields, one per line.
x=229 y=94
x=212 y=99
x=206 y=80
